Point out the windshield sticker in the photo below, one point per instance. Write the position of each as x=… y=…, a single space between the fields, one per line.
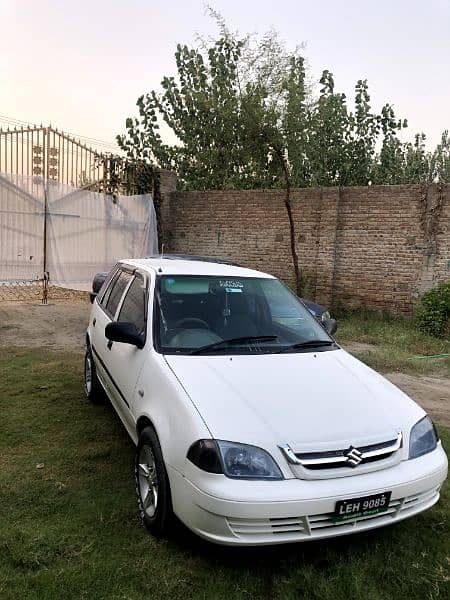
x=233 y=289
x=231 y=284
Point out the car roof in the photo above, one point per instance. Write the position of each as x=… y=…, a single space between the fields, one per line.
x=193 y=265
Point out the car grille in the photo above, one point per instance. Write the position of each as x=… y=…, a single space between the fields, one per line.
x=322 y=525
x=340 y=458
x=343 y=462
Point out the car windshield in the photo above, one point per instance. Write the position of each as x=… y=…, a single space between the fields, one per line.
x=232 y=315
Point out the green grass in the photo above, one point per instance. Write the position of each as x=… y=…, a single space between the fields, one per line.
x=397 y=344
x=69 y=530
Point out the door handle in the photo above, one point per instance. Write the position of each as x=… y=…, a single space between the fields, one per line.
x=109 y=345
x=94 y=322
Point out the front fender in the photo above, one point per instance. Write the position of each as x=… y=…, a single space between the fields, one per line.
x=160 y=397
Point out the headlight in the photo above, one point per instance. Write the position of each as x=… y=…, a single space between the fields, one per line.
x=326 y=315
x=423 y=438
x=238 y=461
x=247 y=462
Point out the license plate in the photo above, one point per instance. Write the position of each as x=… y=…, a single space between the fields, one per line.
x=361 y=507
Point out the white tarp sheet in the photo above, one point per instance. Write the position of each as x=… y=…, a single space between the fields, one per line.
x=86 y=231
x=21 y=230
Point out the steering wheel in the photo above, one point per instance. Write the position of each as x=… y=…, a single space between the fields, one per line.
x=191 y=323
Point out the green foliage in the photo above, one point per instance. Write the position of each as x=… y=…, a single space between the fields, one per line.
x=213 y=118
x=126 y=175
x=242 y=115
x=391 y=344
x=433 y=315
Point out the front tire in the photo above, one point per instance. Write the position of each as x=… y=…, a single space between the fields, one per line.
x=152 y=484
x=92 y=386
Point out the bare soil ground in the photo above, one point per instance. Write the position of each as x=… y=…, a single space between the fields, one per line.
x=63 y=326
x=433 y=393
x=58 y=326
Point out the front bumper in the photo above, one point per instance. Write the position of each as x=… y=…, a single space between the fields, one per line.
x=249 y=513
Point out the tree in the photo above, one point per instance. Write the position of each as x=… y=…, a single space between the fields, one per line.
x=440 y=160
x=243 y=116
x=228 y=122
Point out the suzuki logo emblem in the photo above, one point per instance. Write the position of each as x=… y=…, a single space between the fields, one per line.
x=354 y=457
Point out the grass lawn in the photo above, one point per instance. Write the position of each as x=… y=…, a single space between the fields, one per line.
x=69 y=526
x=390 y=344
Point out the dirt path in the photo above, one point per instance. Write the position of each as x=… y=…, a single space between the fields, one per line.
x=63 y=326
x=432 y=393
x=58 y=326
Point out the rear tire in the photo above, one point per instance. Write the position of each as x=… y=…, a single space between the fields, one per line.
x=152 y=484
x=92 y=386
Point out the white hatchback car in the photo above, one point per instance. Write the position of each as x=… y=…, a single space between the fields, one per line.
x=252 y=425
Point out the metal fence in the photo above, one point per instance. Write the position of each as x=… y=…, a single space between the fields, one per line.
x=41 y=168
x=36 y=291
x=51 y=154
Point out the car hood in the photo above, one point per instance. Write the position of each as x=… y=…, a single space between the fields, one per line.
x=310 y=400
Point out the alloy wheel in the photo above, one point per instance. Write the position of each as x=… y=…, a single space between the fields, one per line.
x=87 y=374
x=148 y=480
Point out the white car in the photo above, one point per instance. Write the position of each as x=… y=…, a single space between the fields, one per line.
x=252 y=425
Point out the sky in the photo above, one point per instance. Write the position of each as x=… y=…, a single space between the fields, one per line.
x=82 y=65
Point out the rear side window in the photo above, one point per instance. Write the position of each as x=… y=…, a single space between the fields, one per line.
x=133 y=306
x=116 y=292
x=106 y=288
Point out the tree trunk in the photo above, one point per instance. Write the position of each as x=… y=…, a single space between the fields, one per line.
x=288 y=206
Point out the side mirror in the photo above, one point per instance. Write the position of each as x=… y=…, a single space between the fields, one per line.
x=92 y=297
x=330 y=325
x=126 y=333
x=98 y=281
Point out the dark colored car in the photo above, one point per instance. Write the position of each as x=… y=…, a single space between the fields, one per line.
x=317 y=310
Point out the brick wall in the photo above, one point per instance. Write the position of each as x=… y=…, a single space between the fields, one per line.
x=378 y=247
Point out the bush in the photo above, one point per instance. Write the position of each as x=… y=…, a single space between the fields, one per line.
x=433 y=315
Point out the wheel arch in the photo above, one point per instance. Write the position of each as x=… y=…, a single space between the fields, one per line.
x=143 y=422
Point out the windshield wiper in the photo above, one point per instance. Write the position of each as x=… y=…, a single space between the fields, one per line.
x=307 y=344
x=236 y=340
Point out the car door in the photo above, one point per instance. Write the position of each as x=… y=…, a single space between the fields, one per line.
x=105 y=312
x=125 y=361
